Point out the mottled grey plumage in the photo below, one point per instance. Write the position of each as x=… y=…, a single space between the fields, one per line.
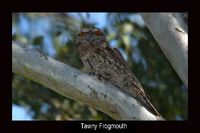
x=109 y=64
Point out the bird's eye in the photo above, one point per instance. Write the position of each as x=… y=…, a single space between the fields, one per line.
x=98 y=33
x=82 y=34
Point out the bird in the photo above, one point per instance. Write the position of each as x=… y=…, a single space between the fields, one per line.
x=108 y=63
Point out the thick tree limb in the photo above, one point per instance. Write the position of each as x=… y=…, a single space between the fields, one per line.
x=76 y=85
x=171 y=32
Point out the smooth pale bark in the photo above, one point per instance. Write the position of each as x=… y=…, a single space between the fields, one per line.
x=76 y=85
x=171 y=32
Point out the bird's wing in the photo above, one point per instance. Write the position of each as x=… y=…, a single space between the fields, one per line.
x=143 y=99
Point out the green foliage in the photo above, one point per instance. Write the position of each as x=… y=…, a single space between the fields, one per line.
x=144 y=57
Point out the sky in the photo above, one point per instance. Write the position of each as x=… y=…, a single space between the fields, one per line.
x=21 y=113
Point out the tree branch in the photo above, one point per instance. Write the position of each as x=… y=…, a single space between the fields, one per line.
x=76 y=85
x=171 y=32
